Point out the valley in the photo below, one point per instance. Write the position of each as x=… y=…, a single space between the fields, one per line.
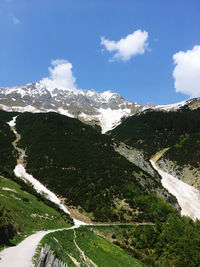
x=107 y=183
x=99 y=133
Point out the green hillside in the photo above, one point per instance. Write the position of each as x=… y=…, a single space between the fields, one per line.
x=80 y=164
x=95 y=248
x=23 y=210
x=175 y=243
x=152 y=131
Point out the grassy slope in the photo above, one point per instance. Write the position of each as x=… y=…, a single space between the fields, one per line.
x=17 y=208
x=175 y=243
x=99 y=250
x=27 y=211
x=80 y=164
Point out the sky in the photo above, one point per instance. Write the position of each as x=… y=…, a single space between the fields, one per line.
x=147 y=51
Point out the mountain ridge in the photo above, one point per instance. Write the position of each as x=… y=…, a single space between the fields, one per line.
x=105 y=109
x=86 y=105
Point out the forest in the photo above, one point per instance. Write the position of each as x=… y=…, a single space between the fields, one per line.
x=80 y=164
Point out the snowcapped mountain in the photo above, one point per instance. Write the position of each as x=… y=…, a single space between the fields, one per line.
x=106 y=109
x=192 y=103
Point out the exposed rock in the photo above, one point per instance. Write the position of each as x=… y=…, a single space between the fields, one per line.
x=186 y=173
x=105 y=109
x=137 y=157
x=48 y=259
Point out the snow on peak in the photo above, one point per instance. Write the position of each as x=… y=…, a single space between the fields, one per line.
x=168 y=107
x=110 y=118
x=108 y=95
x=172 y=106
x=105 y=109
x=65 y=112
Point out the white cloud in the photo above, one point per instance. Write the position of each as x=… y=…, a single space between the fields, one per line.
x=187 y=71
x=15 y=20
x=132 y=45
x=61 y=76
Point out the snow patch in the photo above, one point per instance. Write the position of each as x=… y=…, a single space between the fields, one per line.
x=187 y=196
x=65 y=112
x=78 y=223
x=85 y=116
x=20 y=171
x=12 y=123
x=110 y=118
x=107 y=95
x=172 y=107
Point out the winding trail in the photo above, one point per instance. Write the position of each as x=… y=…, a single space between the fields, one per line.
x=187 y=196
x=22 y=254
x=86 y=260
x=20 y=172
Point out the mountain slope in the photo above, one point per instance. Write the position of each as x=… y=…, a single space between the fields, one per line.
x=25 y=211
x=8 y=159
x=83 y=246
x=81 y=165
x=105 y=109
x=152 y=131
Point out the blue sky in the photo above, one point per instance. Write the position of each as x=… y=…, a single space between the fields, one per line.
x=35 y=32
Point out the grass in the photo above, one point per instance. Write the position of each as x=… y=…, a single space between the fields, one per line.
x=122 y=236
x=96 y=248
x=62 y=243
x=27 y=211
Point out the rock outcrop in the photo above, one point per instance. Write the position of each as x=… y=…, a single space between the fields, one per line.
x=48 y=259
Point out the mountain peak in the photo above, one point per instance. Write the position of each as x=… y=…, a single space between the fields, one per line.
x=105 y=109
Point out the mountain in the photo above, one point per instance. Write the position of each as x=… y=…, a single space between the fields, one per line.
x=81 y=165
x=105 y=109
x=173 y=131
x=106 y=177
x=192 y=104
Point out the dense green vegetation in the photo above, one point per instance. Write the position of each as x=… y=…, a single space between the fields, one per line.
x=80 y=164
x=152 y=131
x=8 y=160
x=175 y=243
x=186 y=150
x=21 y=212
x=22 y=209
x=8 y=229
x=75 y=161
x=99 y=250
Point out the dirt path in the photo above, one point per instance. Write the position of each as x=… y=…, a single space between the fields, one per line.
x=86 y=260
x=77 y=264
x=20 y=172
x=22 y=254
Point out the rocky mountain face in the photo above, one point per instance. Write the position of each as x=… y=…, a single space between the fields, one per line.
x=174 y=129
x=105 y=109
